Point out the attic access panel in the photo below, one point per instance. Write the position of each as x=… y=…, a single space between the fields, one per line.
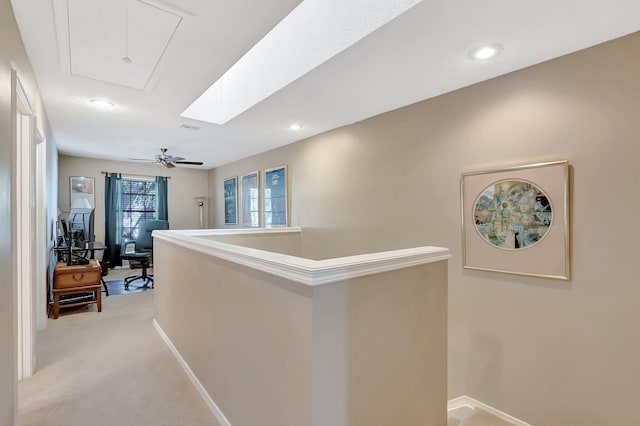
x=102 y=33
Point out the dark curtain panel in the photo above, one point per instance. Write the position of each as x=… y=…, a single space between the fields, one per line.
x=113 y=218
x=162 y=208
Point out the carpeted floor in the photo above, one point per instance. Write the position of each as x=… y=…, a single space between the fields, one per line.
x=108 y=368
x=474 y=417
x=115 y=281
x=117 y=287
x=112 y=368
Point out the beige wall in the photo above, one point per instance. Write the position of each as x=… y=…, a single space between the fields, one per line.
x=271 y=352
x=245 y=334
x=13 y=55
x=549 y=352
x=184 y=185
x=380 y=349
x=288 y=243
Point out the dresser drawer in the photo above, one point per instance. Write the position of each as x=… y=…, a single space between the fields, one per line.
x=76 y=276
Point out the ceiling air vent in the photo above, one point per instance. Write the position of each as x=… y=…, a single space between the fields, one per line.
x=189 y=126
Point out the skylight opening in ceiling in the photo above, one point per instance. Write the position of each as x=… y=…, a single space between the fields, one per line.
x=311 y=34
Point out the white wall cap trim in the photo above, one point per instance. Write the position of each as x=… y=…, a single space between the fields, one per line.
x=305 y=271
x=465 y=401
x=201 y=390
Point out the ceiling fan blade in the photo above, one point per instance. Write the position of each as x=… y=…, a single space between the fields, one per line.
x=195 y=163
x=174 y=159
x=169 y=165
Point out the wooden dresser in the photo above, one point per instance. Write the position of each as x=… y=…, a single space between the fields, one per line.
x=77 y=279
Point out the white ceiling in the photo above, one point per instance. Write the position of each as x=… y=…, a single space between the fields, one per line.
x=98 y=35
x=421 y=54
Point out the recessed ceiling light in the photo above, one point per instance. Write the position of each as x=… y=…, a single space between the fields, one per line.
x=102 y=104
x=295 y=126
x=485 y=52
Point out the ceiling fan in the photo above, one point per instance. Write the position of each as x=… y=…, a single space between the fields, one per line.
x=169 y=161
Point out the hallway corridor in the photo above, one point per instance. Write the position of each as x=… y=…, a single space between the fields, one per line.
x=106 y=369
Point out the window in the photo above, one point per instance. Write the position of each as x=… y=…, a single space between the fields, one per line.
x=138 y=204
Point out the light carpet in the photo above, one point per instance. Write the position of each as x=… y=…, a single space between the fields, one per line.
x=112 y=368
x=475 y=417
x=109 y=368
x=117 y=287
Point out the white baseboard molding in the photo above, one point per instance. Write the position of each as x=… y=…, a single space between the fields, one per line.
x=454 y=404
x=203 y=392
x=465 y=401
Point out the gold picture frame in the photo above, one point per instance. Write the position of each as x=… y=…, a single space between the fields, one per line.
x=516 y=220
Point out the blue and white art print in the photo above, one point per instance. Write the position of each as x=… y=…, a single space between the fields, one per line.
x=275 y=197
x=231 y=200
x=513 y=214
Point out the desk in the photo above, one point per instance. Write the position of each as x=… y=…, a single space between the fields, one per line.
x=92 y=246
x=77 y=279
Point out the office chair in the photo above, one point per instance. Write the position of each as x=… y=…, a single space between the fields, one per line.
x=143 y=251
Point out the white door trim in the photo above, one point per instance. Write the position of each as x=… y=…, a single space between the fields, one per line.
x=41 y=240
x=23 y=198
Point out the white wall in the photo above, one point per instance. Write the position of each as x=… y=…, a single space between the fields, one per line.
x=184 y=185
x=12 y=54
x=549 y=352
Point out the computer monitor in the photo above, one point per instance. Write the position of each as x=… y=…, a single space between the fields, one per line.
x=81 y=223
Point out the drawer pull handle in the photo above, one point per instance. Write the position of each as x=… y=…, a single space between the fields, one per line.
x=78 y=277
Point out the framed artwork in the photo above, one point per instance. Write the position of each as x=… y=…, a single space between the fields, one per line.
x=275 y=197
x=516 y=220
x=82 y=192
x=250 y=193
x=231 y=201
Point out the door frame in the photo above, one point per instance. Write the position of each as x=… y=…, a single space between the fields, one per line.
x=41 y=300
x=23 y=229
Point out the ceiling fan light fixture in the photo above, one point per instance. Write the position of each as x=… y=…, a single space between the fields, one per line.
x=488 y=51
x=170 y=161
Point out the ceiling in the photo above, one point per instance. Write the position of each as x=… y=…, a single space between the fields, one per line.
x=181 y=47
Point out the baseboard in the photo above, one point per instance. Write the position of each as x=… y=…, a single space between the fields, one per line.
x=465 y=401
x=454 y=404
x=203 y=392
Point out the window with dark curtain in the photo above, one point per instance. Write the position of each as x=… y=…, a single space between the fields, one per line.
x=138 y=204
